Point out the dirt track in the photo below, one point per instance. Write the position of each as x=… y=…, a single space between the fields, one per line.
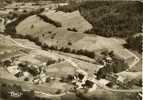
x=98 y=84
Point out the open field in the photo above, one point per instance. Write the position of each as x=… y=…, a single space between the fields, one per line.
x=8 y=48
x=94 y=42
x=98 y=44
x=61 y=69
x=106 y=95
x=70 y=20
x=52 y=35
x=131 y=75
x=46 y=88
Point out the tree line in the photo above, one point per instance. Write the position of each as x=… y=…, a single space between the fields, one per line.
x=44 y=46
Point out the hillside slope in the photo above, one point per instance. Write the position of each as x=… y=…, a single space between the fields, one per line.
x=70 y=31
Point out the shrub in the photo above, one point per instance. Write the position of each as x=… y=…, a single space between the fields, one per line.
x=32 y=26
x=66 y=50
x=89 y=83
x=24 y=11
x=50 y=61
x=15 y=9
x=48 y=80
x=33 y=71
x=26 y=79
x=7 y=63
x=49 y=32
x=70 y=77
x=69 y=43
x=87 y=53
x=72 y=29
x=58 y=91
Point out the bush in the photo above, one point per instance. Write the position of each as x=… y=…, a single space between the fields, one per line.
x=48 y=80
x=86 y=53
x=69 y=43
x=32 y=26
x=24 y=11
x=70 y=77
x=15 y=9
x=26 y=79
x=72 y=29
x=50 y=61
x=58 y=91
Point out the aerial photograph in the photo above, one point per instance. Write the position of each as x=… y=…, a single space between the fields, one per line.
x=71 y=49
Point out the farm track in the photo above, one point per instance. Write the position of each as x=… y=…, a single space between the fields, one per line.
x=76 y=66
x=136 y=60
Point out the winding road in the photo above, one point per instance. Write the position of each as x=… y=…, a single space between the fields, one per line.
x=68 y=59
x=136 y=60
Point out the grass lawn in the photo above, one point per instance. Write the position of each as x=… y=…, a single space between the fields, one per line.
x=60 y=70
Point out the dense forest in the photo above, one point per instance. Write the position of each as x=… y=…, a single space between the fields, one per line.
x=134 y=43
x=110 y=18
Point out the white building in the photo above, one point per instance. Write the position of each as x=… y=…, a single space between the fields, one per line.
x=121 y=79
x=13 y=69
x=2 y=26
x=26 y=74
x=103 y=82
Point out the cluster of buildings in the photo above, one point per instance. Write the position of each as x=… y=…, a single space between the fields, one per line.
x=27 y=71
